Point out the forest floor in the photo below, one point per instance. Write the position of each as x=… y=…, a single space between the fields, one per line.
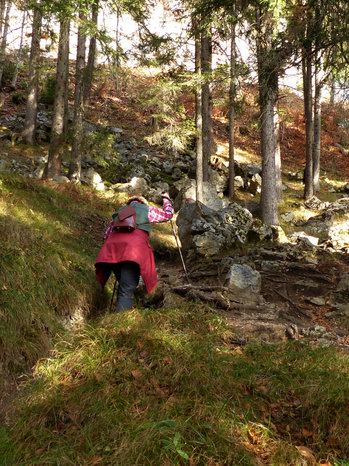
x=171 y=384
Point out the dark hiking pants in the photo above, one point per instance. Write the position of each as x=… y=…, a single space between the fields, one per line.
x=127 y=273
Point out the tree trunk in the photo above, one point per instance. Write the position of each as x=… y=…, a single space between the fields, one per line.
x=198 y=122
x=308 y=114
x=232 y=93
x=278 y=173
x=269 y=207
x=19 y=54
x=117 y=49
x=4 y=40
x=332 y=93
x=75 y=162
x=66 y=98
x=91 y=57
x=268 y=97
x=317 y=134
x=206 y=96
x=33 y=81
x=54 y=157
x=2 y=15
x=316 y=149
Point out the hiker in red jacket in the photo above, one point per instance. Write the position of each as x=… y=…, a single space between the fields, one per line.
x=129 y=255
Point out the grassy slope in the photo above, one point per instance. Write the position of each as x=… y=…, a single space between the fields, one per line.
x=46 y=264
x=164 y=386
x=169 y=387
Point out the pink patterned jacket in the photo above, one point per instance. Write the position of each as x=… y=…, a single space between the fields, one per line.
x=155 y=216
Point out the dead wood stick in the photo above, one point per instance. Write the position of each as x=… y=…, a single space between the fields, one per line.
x=293 y=304
x=210 y=297
x=319 y=276
x=306 y=274
x=286 y=297
x=277 y=281
x=246 y=307
x=185 y=288
x=212 y=273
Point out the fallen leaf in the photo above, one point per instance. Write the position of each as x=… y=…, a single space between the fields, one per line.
x=265 y=390
x=96 y=460
x=136 y=373
x=307 y=453
x=307 y=434
x=99 y=377
x=273 y=426
x=332 y=442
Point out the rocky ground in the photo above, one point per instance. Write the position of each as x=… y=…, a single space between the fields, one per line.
x=299 y=300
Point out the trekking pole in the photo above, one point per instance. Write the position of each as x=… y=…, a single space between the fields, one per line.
x=180 y=252
x=112 y=298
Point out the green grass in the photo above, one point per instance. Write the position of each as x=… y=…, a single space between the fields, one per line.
x=169 y=387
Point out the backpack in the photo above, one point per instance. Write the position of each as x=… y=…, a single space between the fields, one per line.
x=126 y=221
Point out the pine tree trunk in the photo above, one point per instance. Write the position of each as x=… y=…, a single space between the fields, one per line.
x=232 y=93
x=316 y=149
x=279 y=193
x=269 y=207
x=75 y=162
x=198 y=124
x=2 y=16
x=268 y=97
x=117 y=49
x=33 y=81
x=317 y=134
x=206 y=97
x=66 y=99
x=4 y=40
x=19 y=54
x=91 y=57
x=309 y=132
x=332 y=93
x=54 y=157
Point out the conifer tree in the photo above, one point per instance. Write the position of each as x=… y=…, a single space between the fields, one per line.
x=89 y=71
x=76 y=155
x=33 y=80
x=19 y=54
x=4 y=32
x=61 y=89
